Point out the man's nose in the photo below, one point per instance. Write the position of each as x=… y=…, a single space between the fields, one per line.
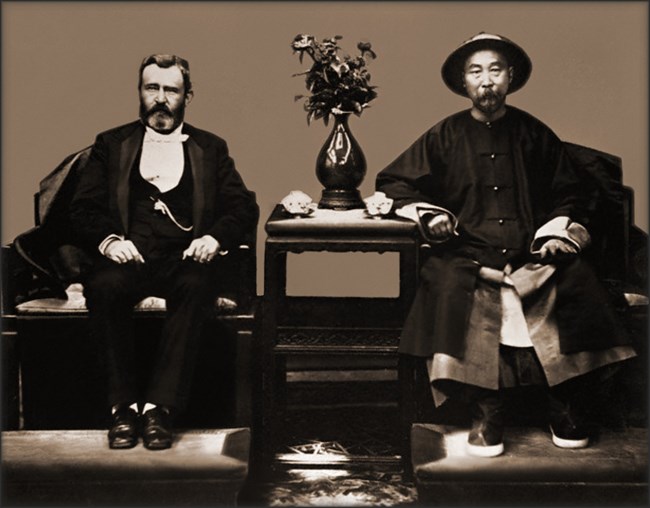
x=160 y=96
x=486 y=80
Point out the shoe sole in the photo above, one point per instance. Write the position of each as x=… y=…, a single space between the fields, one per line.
x=122 y=446
x=485 y=451
x=157 y=446
x=569 y=443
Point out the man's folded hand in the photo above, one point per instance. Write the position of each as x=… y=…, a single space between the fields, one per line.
x=123 y=251
x=202 y=249
x=441 y=226
x=555 y=248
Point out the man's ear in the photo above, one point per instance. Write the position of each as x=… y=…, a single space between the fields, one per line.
x=511 y=73
x=188 y=97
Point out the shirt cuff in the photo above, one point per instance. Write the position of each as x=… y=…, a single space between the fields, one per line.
x=561 y=228
x=108 y=240
x=421 y=213
x=220 y=251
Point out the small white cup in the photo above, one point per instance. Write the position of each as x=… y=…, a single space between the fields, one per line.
x=298 y=203
x=378 y=205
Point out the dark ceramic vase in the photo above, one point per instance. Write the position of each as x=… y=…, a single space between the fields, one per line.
x=341 y=167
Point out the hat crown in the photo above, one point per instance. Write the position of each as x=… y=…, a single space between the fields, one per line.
x=487 y=36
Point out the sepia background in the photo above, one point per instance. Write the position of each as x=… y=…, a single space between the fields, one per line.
x=69 y=71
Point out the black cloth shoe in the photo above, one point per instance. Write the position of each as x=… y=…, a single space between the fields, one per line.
x=123 y=432
x=156 y=429
x=567 y=429
x=486 y=436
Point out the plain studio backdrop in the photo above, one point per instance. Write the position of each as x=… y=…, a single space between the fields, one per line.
x=69 y=71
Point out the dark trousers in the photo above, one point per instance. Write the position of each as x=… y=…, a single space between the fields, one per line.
x=111 y=292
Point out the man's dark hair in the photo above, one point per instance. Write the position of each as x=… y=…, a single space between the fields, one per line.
x=166 y=61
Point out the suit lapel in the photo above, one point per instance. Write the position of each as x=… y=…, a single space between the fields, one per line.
x=195 y=153
x=128 y=150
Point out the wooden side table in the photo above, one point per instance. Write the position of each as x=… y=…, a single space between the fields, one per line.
x=294 y=325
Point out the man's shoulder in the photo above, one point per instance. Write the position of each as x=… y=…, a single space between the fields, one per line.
x=203 y=137
x=526 y=118
x=448 y=125
x=454 y=120
x=122 y=131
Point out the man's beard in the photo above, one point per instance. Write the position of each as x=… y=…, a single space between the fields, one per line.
x=159 y=116
x=490 y=102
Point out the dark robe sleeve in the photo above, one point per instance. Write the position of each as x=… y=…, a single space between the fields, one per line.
x=408 y=179
x=570 y=191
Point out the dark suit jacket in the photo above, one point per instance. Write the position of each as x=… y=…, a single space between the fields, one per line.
x=222 y=205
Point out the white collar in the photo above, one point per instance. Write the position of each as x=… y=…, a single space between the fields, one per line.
x=176 y=136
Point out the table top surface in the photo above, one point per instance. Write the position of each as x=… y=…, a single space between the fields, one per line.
x=324 y=222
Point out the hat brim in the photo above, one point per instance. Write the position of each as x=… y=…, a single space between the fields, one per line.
x=453 y=68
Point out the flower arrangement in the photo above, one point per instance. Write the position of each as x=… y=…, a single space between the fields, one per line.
x=337 y=84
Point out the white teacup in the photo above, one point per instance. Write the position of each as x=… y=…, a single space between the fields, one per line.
x=378 y=204
x=298 y=203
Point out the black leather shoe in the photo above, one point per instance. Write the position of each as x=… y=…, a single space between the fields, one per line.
x=486 y=436
x=123 y=432
x=156 y=429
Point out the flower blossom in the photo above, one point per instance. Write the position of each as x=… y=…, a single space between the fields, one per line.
x=337 y=85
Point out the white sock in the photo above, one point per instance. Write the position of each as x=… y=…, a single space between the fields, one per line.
x=147 y=407
x=133 y=406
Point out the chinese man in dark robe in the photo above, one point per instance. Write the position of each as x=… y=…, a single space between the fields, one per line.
x=505 y=299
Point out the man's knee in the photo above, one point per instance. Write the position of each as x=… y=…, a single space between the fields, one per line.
x=113 y=282
x=195 y=280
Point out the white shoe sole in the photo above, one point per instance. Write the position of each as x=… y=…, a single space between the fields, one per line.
x=569 y=443
x=485 y=451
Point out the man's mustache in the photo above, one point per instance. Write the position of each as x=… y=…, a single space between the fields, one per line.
x=490 y=94
x=159 y=108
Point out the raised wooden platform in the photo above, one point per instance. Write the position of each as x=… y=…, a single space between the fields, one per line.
x=612 y=471
x=68 y=468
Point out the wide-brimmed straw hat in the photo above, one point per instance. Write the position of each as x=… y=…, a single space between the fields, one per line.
x=452 y=69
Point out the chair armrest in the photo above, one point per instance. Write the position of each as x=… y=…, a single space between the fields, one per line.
x=237 y=276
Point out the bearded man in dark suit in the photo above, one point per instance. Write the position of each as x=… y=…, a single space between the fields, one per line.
x=156 y=205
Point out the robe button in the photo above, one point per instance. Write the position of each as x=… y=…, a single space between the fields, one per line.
x=503 y=251
x=501 y=222
x=495 y=188
x=492 y=156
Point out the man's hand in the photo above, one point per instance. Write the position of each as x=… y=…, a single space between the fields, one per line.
x=123 y=251
x=202 y=249
x=555 y=248
x=441 y=226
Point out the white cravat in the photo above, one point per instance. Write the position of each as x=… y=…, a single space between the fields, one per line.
x=162 y=160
